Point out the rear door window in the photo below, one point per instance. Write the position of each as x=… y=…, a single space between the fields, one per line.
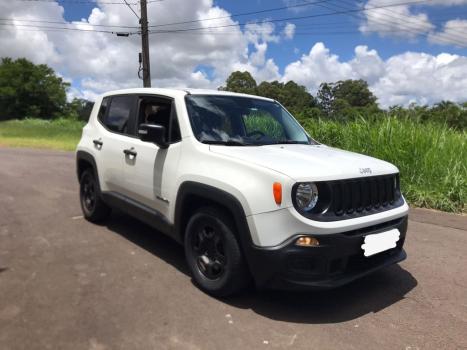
x=119 y=117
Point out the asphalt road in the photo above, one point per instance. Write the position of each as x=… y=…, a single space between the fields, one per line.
x=68 y=284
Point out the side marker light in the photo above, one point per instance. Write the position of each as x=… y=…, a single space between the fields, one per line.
x=277 y=192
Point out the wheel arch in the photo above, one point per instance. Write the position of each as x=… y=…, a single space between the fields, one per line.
x=85 y=160
x=192 y=196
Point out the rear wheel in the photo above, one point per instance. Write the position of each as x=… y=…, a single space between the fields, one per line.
x=93 y=207
x=213 y=253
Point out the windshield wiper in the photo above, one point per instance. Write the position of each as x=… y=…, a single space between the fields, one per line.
x=225 y=143
x=291 y=142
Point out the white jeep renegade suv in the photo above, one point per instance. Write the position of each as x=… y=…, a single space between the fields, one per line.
x=237 y=181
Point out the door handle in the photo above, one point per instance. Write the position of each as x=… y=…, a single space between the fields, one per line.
x=130 y=152
x=98 y=143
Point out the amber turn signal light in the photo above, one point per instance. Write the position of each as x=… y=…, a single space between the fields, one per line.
x=277 y=192
x=307 y=241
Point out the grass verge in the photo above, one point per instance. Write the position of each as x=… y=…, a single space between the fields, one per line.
x=60 y=134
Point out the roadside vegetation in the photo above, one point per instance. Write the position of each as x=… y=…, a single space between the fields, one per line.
x=427 y=143
x=432 y=158
x=58 y=134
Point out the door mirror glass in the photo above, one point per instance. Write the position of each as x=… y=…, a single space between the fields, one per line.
x=153 y=133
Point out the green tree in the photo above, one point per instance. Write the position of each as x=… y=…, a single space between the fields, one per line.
x=325 y=98
x=241 y=82
x=449 y=113
x=29 y=90
x=355 y=92
x=346 y=99
x=271 y=90
x=79 y=108
x=293 y=96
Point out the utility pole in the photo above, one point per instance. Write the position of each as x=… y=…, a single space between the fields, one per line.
x=145 y=44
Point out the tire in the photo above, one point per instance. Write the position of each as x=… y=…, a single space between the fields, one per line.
x=213 y=253
x=93 y=207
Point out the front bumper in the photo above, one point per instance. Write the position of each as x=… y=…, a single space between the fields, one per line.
x=338 y=259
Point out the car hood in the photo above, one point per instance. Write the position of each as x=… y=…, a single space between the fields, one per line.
x=309 y=162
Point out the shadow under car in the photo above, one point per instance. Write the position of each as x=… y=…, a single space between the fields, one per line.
x=369 y=294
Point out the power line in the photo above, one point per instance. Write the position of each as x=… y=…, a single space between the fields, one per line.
x=81 y=2
x=344 y=32
x=47 y=30
x=62 y=28
x=407 y=21
x=166 y=24
x=309 y=25
x=78 y=2
x=400 y=22
x=434 y=20
x=241 y=14
x=307 y=3
x=294 y=18
x=415 y=22
x=131 y=8
x=187 y=30
x=67 y=23
x=384 y=21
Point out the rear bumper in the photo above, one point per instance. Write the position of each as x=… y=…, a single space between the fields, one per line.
x=338 y=260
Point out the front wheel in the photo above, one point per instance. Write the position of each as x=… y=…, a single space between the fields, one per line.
x=213 y=253
x=93 y=207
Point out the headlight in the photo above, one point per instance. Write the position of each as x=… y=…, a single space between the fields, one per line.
x=306 y=196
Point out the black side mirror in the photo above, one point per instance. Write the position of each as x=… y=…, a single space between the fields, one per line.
x=153 y=133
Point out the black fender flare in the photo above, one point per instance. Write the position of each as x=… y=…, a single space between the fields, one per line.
x=88 y=157
x=216 y=195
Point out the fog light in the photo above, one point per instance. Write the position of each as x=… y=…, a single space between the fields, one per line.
x=307 y=241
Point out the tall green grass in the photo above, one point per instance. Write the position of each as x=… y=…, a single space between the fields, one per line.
x=432 y=158
x=60 y=134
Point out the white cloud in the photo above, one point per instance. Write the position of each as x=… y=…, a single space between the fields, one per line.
x=406 y=21
x=422 y=78
x=289 y=31
x=453 y=32
x=255 y=32
x=367 y=65
x=318 y=66
x=100 y=61
x=402 y=79
x=397 y=21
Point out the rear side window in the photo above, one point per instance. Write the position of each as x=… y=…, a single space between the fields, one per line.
x=103 y=109
x=119 y=113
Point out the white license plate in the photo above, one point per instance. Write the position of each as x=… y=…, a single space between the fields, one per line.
x=380 y=242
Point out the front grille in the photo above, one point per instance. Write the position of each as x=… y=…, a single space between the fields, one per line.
x=350 y=198
x=367 y=194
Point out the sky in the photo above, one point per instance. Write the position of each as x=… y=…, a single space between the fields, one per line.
x=409 y=51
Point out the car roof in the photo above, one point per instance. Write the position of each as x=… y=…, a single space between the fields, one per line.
x=180 y=91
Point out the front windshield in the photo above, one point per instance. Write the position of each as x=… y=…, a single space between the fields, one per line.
x=233 y=120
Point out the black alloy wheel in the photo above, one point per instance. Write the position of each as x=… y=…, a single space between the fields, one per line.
x=213 y=253
x=93 y=207
x=88 y=192
x=209 y=249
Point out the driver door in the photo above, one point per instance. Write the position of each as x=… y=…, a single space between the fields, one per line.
x=150 y=172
